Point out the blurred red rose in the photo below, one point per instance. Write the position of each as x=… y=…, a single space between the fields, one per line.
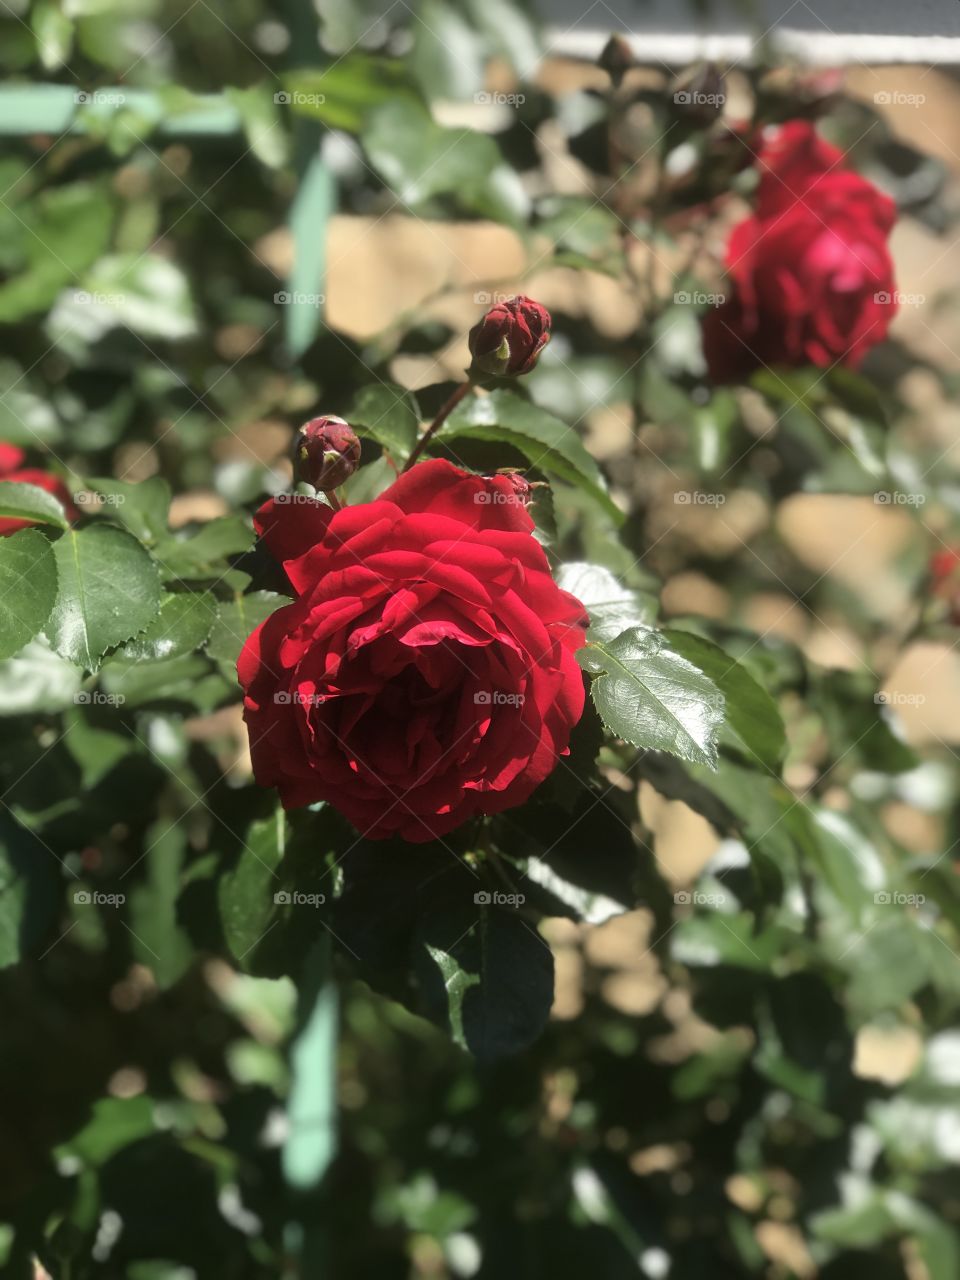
x=944 y=571
x=425 y=672
x=810 y=279
x=510 y=337
x=11 y=469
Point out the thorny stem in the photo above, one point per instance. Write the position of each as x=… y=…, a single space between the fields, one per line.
x=445 y=410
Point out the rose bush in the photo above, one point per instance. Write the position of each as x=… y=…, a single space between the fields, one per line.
x=426 y=672
x=810 y=272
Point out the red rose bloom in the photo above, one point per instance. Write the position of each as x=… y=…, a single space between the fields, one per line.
x=810 y=273
x=510 y=337
x=11 y=470
x=425 y=672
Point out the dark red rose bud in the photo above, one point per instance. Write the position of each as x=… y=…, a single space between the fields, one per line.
x=700 y=94
x=327 y=452
x=510 y=337
x=616 y=59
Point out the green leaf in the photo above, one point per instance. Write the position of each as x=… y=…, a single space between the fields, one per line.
x=30 y=502
x=28 y=878
x=546 y=441
x=142 y=507
x=96 y=751
x=488 y=976
x=652 y=697
x=236 y=620
x=611 y=607
x=37 y=680
x=265 y=130
x=420 y=159
x=388 y=414
x=146 y=293
x=312 y=1106
x=109 y=590
x=182 y=626
x=54 y=32
x=342 y=95
x=28 y=588
x=751 y=714
x=246 y=893
x=158 y=942
x=204 y=554
x=186 y=679
x=303 y=301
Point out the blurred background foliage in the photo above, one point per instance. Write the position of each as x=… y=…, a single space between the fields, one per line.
x=217 y=221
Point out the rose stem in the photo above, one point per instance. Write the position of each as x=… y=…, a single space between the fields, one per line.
x=445 y=409
x=331 y=497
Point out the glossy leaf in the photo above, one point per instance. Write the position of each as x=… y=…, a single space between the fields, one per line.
x=28 y=588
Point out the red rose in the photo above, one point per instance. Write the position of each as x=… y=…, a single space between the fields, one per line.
x=510 y=337
x=810 y=274
x=11 y=470
x=327 y=452
x=425 y=672
x=791 y=159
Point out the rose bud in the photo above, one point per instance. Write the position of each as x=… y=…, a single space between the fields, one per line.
x=701 y=94
x=510 y=337
x=616 y=59
x=327 y=452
